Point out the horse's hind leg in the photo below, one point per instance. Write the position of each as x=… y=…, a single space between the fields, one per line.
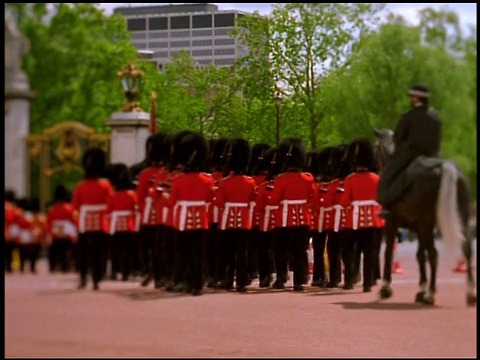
x=390 y=233
x=429 y=297
x=421 y=259
x=471 y=289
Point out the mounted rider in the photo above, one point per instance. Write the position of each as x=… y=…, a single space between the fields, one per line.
x=417 y=133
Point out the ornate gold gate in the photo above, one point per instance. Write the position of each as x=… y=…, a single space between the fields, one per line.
x=55 y=157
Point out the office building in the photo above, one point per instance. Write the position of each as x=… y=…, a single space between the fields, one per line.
x=200 y=29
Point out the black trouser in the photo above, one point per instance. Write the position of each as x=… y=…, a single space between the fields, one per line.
x=318 y=242
x=265 y=255
x=30 y=253
x=252 y=253
x=348 y=255
x=291 y=243
x=9 y=247
x=234 y=244
x=60 y=255
x=211 y=251
x=148 y=235
x=158 y=258
x=365 y=240
x=181 y=264
x=123 y=246
x=334 y=259
x=91 y=255
x=169 y=252
x=378 y=237
x=190 y=258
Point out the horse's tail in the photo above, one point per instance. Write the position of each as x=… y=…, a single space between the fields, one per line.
x=448 y=216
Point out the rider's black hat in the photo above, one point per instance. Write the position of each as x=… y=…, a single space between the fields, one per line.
x=419 y=90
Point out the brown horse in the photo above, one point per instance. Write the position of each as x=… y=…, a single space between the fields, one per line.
x=437 y=195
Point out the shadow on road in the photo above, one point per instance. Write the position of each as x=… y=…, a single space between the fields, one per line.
x=378 y=305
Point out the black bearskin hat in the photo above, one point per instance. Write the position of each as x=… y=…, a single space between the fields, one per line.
x=155 y=148
x=94 y=162
x=257 y=160
x=323 y=158
x=292 y=153
x=216 y=158
x=336 y=161
x=34 y=204
x=193 y=150
x=10 y=196
x=363 y=154
x=60 y=193
x=120 y=176
x=274 y=166
x=311 y=165
x=174 y=148
x=237 y=152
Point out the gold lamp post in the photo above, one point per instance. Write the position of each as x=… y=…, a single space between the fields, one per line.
x=131 y=79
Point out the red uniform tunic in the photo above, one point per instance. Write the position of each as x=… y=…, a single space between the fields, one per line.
x=259 y=180
x=123 y=209
x=265 y=213
x=90 y=198
x=156 y=191
x=12 y=221
x=336 y=216
x=213 y=210
x=324 y=215
x=296 y=195
x=190 y=193
x=167 y=212
x=234 y=197
x=61 y=221
x=145 y=195
x=359 y=198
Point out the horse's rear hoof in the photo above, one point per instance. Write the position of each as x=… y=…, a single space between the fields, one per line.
x=419 y=297
x=471 y=300
x=385 y=292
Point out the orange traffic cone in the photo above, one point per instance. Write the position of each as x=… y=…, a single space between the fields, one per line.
x=396 y=268
x=461 y=267
x=310 y=258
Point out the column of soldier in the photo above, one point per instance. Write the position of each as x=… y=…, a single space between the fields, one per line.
x=221 y=213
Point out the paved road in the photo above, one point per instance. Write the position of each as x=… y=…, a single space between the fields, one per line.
x=45 y=316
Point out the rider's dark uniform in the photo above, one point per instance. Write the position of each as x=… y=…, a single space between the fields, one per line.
x=418 y=133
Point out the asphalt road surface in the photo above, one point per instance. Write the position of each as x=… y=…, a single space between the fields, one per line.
x=47 y=317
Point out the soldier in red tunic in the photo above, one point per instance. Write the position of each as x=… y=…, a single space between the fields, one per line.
x=334 y=220
x=62 y=230
x=12 y=227
x=258 y=170
x=295 y=193
x=122 y=209
x=148 y=219
x=215 y=167
x=234 y=197
x=359 y=198
x=319 y=233
x=90 y=198
x=190 y=193
x=266 y=215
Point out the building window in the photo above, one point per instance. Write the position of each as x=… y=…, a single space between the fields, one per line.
x=180 y=34
x=224 y=61
x=158 y=23
x=224 y=52
x=204 y=62
x=161 y=54
x=224 y=20
x=201 y=21
x=201 y=32
x=182 y=43
x=224 y=41
x=139 y=36
x=202 y=43
x=173 y=53
x=137 y=24
x=205 y=52
x=159 y=44
x=221 y=32
x=180 y=22
x=158 y=35
x=140 y=46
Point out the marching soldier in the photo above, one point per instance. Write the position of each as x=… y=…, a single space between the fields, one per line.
x=319 y=238
x=62 y=230
x=90 y=198
x=190 y=193
x=359 y=197
x=234 y=197
x=12 y=227
x=148 y=220
x=295 y=193
x=122 y=209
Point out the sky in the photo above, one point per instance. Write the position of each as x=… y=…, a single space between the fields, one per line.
x=467 y=12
